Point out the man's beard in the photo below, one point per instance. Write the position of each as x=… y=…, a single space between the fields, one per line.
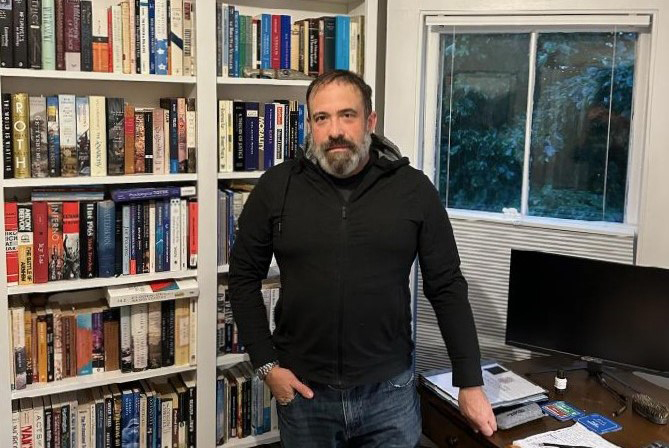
x=338 y=163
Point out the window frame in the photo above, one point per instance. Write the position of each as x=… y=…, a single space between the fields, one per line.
x=436 y=25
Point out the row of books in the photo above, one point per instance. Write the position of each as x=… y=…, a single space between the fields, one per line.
x=68 y=135
x=244 y=404
x=147 y=413
x=254 y=136
x=227 y=338
x=147 y=37
x=311 y=46
x=230 y=204
x=58 y=237
x=58 y=341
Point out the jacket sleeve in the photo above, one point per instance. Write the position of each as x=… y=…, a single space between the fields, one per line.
x=446 y=288
x=249 y=261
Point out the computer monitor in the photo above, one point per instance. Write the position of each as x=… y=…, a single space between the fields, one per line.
x=613 y=312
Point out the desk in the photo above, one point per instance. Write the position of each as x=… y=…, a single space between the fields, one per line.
x=444 y=425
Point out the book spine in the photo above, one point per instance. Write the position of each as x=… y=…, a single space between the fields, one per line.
x=110 y=324
x=151 y=237
x=191 y=135
x=148 y=141
x=98 y=135
x=230 y=21
x=181 y=135
x=140 y=141
x=286 y=30
x=139 y=237
x=50 y=349
x=68 y=135
x=167 y=262
x=295 y=47
x=183 y=229
x=342 y=31
x=158 y=141
x=19 y=347
x=83 y=135
x=84 y=343
x=106 y=241
x=88 y=240
x=126 y=339
x=100 y=40
x=60 y=34
x=20 y=22
x=133 y=240
x=151 y=41
x=72 y=29
x=48 y=35
x=145 y=59
x=269 y=136
x=146 y=237
x=56 y=255
x=175 y=234
x=86 y=35
x=115 y=136
x=239 y=113
x=53 y=135
x=25 y=235
x=39 y=157
x=192 y=234
x=188 y=61
x=192 y=343
x=251 y=136
x=154 y=335
x=125 y=238
x=12 y=242
x=176 y=37
x=6 y=35
x=71 y=269
x=174 y=133
x=7 y=149
x=167 y=332
x=161 y=37
x=41 y=218
x=138 y=325
x=98 y=354
x=129 y=130
x=125 y=29
x=160 y=239
x=20 y=135
x=117 y=40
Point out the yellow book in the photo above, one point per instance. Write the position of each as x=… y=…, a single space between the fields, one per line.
x=181 y=331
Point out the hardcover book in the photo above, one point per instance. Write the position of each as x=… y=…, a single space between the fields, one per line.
x=38 y=142
x=12 y=242
x=7 y=149
x=71 y=269
x=115 y=136
x=20 y=135
x=56 y=254
x=68 y=135
x=83 y=136
x=25 y=234
x=53 y=135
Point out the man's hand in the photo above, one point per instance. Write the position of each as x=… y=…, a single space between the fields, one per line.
x=284 y=384
x=475 y=407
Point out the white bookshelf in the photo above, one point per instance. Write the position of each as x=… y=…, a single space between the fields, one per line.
x=88 y=283
x=145 y=91
x=102 y=180
x=94 y=380
x=230 y=359
x=249 y=441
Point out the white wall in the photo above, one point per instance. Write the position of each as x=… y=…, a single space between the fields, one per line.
x=403 y=97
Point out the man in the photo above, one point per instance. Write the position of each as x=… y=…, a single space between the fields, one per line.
x=345 y=222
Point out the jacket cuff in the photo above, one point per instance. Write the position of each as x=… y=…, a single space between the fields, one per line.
x=261 y=355
x=467 y=373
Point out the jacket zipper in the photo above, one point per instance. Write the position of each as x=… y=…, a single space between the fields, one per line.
x=340 y=321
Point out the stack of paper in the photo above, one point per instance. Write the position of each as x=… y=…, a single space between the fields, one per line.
x=576 y=434
x=502 y=387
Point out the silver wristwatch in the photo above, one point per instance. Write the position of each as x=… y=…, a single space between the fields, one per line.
x=263 y=370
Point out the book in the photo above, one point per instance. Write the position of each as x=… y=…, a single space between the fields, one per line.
x=7 y=149
x=6 y=35
x=115 y=136
x=156 y=291
x=68 y=135
x=53 y=135
x=72 y=29
x=20 y=135
x=106 y=221
x=98 y=135
x=25 y=249
x=12 y=242
x=88 y=239
x=71 y=268
x=20 y=37
x=38 y=141
x=139 y=319
x=55 y=244
x=82 y=111
x=35 y=34
x=41 y=241
x=86 y=35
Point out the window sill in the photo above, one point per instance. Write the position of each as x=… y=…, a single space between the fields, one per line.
x=598 y=227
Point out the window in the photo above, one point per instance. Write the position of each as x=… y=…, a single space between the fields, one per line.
x=537 y=121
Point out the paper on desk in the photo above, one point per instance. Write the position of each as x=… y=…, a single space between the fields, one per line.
x=503 y=387
x=576 y=434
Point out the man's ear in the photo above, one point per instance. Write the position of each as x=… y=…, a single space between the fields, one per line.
x=371 y=121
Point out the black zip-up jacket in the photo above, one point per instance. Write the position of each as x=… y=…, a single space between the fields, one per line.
x=344 y=314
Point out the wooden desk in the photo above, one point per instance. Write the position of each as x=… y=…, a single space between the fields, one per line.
x=444 y=425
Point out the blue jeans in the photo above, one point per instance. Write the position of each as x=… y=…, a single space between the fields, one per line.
x=385 y=414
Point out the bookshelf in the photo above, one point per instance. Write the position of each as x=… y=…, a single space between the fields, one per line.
x=145 y=91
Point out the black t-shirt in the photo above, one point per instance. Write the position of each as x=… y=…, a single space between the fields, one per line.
x=347 y=185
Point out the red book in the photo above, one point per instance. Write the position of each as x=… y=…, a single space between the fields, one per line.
x=12 y=242
x=110 y=41
x=41 y=242
x=71 y=268
x=275 y=53
x=192 y=234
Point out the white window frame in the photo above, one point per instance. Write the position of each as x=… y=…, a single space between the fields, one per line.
x=436 y=24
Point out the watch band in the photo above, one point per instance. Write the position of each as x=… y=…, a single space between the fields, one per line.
x=263 y=370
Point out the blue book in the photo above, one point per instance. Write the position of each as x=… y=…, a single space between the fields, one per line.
x=235 y=49
x=265 y=40
x=159 y=422
x=251 y=136
x=342 y=38
x=128 y=421
x=53 y=135
x=140 y=194
x=160 y=238
x=166 y=233
x=135 y=414
x=220 y=414
x=85 y=331
x=160 y=48
x=269 y=136
x=106 y=238
x=152 y=37
x=301 y=109
x=231 y=40
x=284 y=35
x=150 y=420
x=133 y=239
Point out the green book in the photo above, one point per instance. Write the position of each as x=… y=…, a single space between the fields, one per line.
x=48 y=35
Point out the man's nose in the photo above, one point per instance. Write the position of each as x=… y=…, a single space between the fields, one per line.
x=335 y=130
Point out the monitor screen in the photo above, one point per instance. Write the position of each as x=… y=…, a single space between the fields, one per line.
x=614 y=312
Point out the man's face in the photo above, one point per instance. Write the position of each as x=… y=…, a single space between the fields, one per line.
x=340 y=133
